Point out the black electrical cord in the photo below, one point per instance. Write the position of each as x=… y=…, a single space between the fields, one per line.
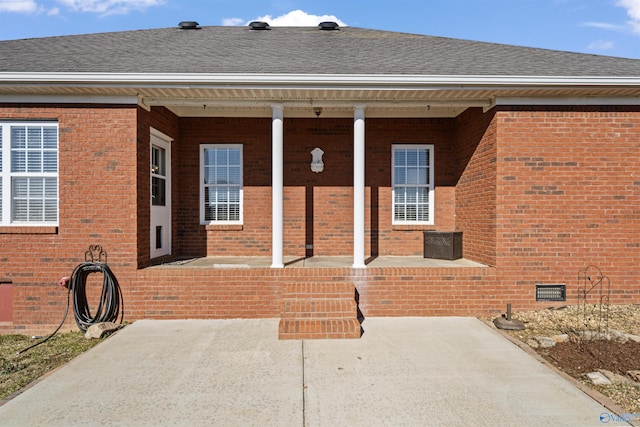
x=108 y=307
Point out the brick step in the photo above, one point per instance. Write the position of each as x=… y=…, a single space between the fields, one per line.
x=320 y=309
x=321 y=290
x=318 y=328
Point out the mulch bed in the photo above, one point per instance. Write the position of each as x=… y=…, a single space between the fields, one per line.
x=579 y=358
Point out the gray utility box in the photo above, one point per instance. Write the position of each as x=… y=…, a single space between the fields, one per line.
x=443 y=244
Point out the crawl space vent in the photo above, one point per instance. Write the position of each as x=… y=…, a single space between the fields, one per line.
x=551 y=292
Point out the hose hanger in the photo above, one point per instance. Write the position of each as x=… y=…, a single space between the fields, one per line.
x=95 y=254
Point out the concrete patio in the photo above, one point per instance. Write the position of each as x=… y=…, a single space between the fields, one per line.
x=434 y=371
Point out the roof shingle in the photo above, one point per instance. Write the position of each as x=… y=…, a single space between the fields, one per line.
x=296 y=50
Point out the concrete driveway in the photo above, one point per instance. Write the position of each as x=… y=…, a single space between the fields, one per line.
x=402 y=372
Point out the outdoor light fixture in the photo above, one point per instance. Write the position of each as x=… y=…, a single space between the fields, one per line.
x=317 y=165
x=317 y=111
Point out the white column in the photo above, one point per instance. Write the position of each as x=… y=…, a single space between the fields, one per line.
x=358 y=187
x=277 y=186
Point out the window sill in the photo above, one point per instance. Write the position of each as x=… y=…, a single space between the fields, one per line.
x=224 y=227
x=12 y=229
x=412 y=227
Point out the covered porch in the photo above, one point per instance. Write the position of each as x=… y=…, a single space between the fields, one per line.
x=363 y=206
x=322 y=242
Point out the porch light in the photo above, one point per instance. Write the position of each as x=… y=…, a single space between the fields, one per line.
x=317 y=165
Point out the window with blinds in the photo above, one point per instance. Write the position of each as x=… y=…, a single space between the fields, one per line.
x=412 y=177
x=221 y=184
x=29 y=173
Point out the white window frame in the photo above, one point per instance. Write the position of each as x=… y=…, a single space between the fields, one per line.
x=428 y=185
x=7 y=176
x=204 y=186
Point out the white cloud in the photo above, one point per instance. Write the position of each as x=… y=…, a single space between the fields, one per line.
x=109 y=7
x=298 y=18
x=19 y=6
x=600 y=45
x=231 y=22
x=603 y=25
x=633 y=10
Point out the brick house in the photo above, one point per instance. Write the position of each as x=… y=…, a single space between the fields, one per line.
x=186 y=153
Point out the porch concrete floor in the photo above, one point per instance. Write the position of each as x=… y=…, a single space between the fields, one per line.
x=323 y=262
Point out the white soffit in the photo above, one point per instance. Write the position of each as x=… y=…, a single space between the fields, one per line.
x=231 y=108
x=309 y=112
x=586 y=100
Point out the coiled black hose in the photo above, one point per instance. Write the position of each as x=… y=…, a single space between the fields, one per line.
x=110 y=300
x=108 y=308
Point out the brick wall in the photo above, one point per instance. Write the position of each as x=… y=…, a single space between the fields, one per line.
x=318 y=207
x=475 y=191
x=253 y=238
x=174 y=293
x=568 y=197
x=97 y=190
x=536 y=206
x=430 y=292
x=380 y=135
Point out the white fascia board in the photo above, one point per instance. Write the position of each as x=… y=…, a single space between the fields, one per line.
x=68 y=99
x=295 y=81
x=587 y=100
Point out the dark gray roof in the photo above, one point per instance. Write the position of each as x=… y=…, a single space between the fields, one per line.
x=296 y=50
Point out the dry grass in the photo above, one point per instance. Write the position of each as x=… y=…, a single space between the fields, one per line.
x=18 y=370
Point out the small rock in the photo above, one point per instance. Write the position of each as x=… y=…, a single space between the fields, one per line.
x=635 y=375
x=591 y=335
x=560 y=338
x=532 y=343
x=615 y=378
x=546 y=342
x=100 y=329
x=617 y=336
x=598 y=378
x=632 y=337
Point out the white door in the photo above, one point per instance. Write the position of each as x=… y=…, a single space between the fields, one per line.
x=160 y=195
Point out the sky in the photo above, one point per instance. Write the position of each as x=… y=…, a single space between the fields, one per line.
x=602 y=27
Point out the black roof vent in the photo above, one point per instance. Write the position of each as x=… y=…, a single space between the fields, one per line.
x=259 y=25
x=189 y=25
x=328 y=26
